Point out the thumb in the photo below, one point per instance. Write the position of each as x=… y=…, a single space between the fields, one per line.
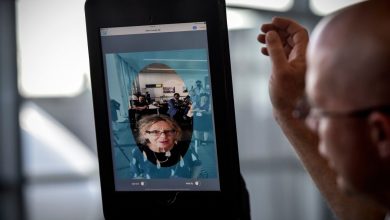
x=275 y=49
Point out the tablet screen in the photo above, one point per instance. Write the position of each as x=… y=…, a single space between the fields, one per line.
x=160 y=107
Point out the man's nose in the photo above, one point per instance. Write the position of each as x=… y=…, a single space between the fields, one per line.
x=312 y=123
x=322 y=149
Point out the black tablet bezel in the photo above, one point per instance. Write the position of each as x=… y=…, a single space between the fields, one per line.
x=122 y=13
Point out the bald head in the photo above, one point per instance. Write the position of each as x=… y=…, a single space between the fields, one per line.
x=349 y=55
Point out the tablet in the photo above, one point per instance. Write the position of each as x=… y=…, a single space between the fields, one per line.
x=163 y=104
x=144 y=67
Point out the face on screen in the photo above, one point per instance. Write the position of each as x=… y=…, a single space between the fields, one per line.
x=161 y=113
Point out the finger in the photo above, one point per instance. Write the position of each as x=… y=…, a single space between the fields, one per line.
x=299 y=37
x=283 y=34
x=261 y=38
x=275 y=49
x=264 y=51
x=267 y=27
x=286 y=24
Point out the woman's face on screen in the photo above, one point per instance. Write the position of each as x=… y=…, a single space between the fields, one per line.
x=161 y=136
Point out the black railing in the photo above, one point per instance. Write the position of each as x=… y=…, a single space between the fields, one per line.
x=11 y=196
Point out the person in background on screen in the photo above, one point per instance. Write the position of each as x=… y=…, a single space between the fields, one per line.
x=176 y=108
x=187 y=105
x=196 y=91
x=202 y=118
x=341 y=84
x=140 y=107
x=133 y=97
x=148 y=98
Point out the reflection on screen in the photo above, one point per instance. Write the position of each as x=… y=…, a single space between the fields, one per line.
x=160 y=102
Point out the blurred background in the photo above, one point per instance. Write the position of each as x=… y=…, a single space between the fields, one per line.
x=48 y=162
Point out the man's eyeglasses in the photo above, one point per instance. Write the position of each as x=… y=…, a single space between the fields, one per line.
x=157 y=133
x=303 y=110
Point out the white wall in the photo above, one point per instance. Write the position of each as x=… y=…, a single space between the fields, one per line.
x=167 y=79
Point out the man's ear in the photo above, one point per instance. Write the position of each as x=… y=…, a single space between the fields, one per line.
x=379 y=124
